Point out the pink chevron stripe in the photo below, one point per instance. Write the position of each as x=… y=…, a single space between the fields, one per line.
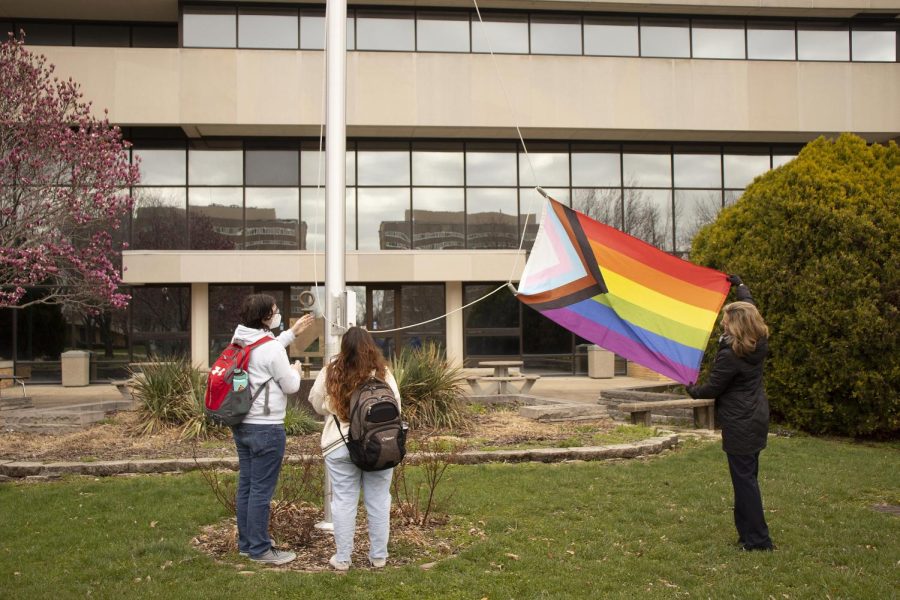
x=564 y=265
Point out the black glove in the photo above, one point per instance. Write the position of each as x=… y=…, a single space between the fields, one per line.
x=690 y=390
x=735 y=280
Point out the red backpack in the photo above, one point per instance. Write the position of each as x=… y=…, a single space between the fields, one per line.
x=228 y=397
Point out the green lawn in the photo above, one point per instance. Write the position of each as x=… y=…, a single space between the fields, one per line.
x=659 y=528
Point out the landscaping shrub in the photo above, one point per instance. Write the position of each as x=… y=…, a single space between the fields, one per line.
x=169 y=392
x=431 y=391
x=817 y=242
x=298 y=422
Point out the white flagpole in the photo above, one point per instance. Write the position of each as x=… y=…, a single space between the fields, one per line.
x=335 y=190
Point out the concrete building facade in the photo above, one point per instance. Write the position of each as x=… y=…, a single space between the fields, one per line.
x=651 y=116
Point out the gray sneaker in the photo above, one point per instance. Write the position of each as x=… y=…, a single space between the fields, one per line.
x=275 y=557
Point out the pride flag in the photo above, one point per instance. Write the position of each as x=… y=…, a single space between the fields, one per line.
x=621 y=293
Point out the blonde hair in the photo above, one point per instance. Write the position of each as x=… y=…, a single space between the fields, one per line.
x=745 y=326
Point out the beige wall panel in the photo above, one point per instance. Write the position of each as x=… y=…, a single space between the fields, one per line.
x=155 y=70
x=209 y=86
x=296 y=75
x=145 y=267
x=821 y=100
x=400 y=94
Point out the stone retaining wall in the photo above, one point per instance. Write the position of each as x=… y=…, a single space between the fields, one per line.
x=21 y=469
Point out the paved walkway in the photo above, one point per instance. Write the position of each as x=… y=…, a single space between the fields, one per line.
x=576 y=389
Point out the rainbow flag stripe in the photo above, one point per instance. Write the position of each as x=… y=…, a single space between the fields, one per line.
x=621 y=293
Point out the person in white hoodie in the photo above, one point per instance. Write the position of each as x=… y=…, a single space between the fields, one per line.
x=260 y=437
x=359 y=359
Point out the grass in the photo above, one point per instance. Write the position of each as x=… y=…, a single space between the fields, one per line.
x=583 y=436
x=658 y=528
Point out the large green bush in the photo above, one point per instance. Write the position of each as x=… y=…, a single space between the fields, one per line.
x=817 y=242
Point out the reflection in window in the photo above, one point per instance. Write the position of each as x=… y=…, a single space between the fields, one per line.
x=215 y=167
x=782 y=159
x=420 y=303
x=665 y=38
x=596 y=169
x=385 y=31
x=651 y=170
x=47 y=34
x=273 y=217
x=438 y=218
x=442 y=32
x=383 y=311
x=771 y=41
x=550 y=168
x=160 y=321
x=437 y=168
x=103 y=36
x=502 y=34
x=159 y=219
x=383 y=167
x=491 y=168
x=740 y=169
x=555 y=35
x=384 y=219
x=604 y=205
x=312 y=168
x=610 y=37
x=161 y=167
x=216 y=218
x=820 y=42
x=312 y=225
x=698 y=170
x=209 y=28
x=880 y=46
x=224 y=315
x=717 y=39
x=272 y=167
x=267 y=29
x=648 y=216
x=693 y=210
x=492 y=216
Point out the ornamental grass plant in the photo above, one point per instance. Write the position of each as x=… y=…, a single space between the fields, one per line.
x=431 y=389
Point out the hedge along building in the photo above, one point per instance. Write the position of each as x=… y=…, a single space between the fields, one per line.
x=649 y=115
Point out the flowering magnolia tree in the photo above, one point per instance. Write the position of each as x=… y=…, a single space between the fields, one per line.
x=64 y=178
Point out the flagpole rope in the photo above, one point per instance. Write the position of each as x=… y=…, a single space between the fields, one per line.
x=508 y=284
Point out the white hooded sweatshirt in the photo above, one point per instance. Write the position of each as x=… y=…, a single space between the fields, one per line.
x=268 y=361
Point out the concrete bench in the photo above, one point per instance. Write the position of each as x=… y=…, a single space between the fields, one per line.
x=704 y=410
x=501 y=385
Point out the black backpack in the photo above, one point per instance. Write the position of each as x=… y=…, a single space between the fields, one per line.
x=377 y=437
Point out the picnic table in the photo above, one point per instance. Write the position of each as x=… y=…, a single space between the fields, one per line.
x=501 y=382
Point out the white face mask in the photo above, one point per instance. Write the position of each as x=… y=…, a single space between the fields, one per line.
x=276 y=321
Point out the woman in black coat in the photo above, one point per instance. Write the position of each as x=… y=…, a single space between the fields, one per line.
x=742 y=410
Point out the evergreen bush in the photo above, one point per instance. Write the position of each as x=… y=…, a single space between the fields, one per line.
x=431 y=390
x=817 y=240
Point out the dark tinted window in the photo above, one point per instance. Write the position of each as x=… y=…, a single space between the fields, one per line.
x=154 y=36
x=102 y=35
x=47 y=34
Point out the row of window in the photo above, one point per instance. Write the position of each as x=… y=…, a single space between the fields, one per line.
x=524 y=33
x=158 y=323
x=510 y=33
x=451 y=195
x=122 y=35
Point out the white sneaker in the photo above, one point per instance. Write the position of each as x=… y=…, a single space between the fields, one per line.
x=339 y=565
x=377 y=563
x=275 y=557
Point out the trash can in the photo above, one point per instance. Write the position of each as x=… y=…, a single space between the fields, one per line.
x=601 y=363
x=76 y=365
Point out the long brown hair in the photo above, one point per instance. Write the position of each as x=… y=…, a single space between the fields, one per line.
x=358 y=358
x=745 y=326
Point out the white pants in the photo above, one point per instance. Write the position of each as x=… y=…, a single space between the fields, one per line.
x=346 y=481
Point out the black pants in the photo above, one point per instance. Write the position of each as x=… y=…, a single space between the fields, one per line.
x=749 y=519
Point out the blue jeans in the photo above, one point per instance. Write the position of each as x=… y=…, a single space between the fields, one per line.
x=260 y=449
x=346 y=481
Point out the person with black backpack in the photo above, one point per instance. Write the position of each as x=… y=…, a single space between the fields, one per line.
x=260 y=437
x=363 y=439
